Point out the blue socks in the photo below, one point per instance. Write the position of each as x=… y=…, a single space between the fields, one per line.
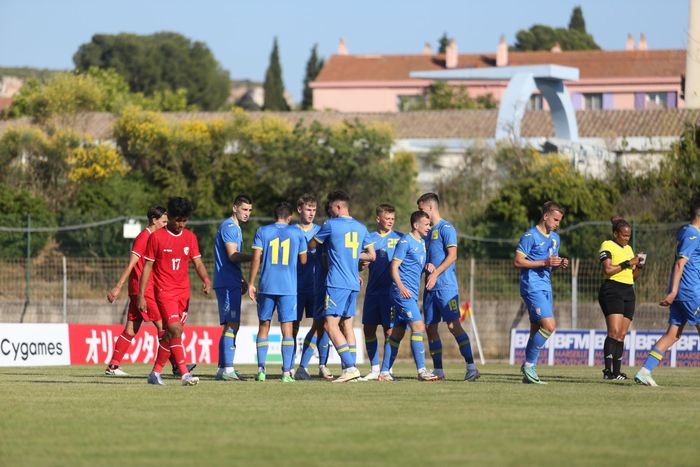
x=653 y=359
x=465 y=347
x=436 y=352
x=345 y=357
x=418 y=349
x=262 y=351
x=534 y=344
x=353 y=353
x=227 y=348
x=323 y=348
x=287 y=353
x=308 y=349
x=372 y=350
x=390 y=356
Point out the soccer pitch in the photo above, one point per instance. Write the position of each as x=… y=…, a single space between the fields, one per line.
x=75 y=416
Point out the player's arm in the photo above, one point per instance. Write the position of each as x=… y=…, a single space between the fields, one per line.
x=368 y=254
x=450 y=258
x=675 y=281
x=303 y=258
x=254 y=267
x=611 y=269
x=395 y=263
x=143 y=283
x=521 y=261
x=236 y=256
x=114 y=293
x=201 y=271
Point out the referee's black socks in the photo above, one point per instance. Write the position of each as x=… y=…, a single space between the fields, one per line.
x=618 y=350
x=609 y=352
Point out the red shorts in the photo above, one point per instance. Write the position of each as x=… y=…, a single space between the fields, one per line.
x=152 y=312
x=173 y=308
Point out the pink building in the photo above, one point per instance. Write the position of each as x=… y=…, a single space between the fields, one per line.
x=634 y=78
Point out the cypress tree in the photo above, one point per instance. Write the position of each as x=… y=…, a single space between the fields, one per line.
x=577 y=23
x=274 y=87
x=313 y=68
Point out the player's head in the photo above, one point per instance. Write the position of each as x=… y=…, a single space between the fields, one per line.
x=283 y=212
x=306 y=207
x=621 y=230
x=420 y=223
x=327 y=209
x=429 y=203
x=338 y=203
x=179 y=212
x=242 y=207
x=386 y=215
x=157 y=217
x=552 y=214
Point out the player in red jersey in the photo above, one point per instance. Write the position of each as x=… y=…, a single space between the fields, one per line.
x=157 y=218
x=168 y=254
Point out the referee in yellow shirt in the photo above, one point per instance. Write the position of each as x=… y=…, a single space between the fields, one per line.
x=616 y=296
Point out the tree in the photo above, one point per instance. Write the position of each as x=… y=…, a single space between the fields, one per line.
x=313 y=68
x=577 y=23
x=15 y=205
x=160 y=62
x=542 y=37
x=274 y=86
x=443 y=42
x=442 y=96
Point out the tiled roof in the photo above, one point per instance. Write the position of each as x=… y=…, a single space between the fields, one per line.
x=446 y=124
x=592 y=64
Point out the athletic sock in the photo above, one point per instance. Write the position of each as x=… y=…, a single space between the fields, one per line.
x=465 y=347
x=653 y=359
x=178 y=350
x=534 y=345
x=287 y=353
x=345 y=357
x=162 y=356
x=618 y=350
x=372 y=347
x=261 y=345
x=228 y=343
x=418 y=349
x=389 y=357
x=220 y=363
x=436 y=352
x=353 y=353
x=323 y=348
x=295 y=333
x=308 y=349
x=121 y=345
x=608 y=352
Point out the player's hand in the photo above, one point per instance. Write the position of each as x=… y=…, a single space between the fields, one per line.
x=253 y=293
x=244 y=286
x=553 y=261
x=668 y=299
x=363 y=265
x=432 y=279
x=142 y=303
x=430 y=267
x=113 y=294
x=405 y=293
x=564 y=263
x=206 y=287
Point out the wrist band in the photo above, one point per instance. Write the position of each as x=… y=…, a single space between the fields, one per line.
x=624 y=264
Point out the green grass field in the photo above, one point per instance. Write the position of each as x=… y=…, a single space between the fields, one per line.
x=75 y=416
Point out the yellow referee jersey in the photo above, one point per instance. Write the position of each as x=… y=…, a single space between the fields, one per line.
x=617 y=254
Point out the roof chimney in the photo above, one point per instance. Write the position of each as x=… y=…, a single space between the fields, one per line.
x=629 y=45
x=502 y=52
x=556 y=49
x=642 y=42
x=451 y=55
x=342 y=47
x=427 y=49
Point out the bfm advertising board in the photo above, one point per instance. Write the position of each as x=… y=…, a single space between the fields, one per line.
x=585 y=347
x=76 y=344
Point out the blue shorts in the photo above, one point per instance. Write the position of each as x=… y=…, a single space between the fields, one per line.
x=320 y=307
x=306 y=301
x=405 y=310
x=684 y=312
x=229 y=300
x=340 y=302
x=440 y=305
x=539 y=305
x=286 y=306
x=377 y=310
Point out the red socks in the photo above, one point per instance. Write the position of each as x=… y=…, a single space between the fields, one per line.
x=121 y=345
x=178 y=351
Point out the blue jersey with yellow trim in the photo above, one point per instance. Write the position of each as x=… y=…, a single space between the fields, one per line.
x=227 y=273
x=379 y=280
x=537 y=246
x=412 y=255
x=281 y=244
x=441 y=236
x=688 y=238
x=306 y=272
x=344 y=239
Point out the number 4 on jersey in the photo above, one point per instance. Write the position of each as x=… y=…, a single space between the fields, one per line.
x=352 y=243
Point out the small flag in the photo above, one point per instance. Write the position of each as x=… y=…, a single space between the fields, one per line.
x=465 y=311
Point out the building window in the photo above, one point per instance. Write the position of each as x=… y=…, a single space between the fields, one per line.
x=412 y=102
x=536 y=102
x=655 y=100
x=592 y=101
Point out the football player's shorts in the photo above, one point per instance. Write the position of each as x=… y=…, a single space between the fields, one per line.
x=340 y=302
x=151 y=314
x=306 y=302
x=173 y=307
x=229 y=300
x=539 y=305
x=405 y=310
x=684 y=313
x=377 y=310
x=286 y=306
x=320 y=306
x=440 y=305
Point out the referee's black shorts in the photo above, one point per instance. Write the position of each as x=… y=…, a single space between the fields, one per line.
x=616 y=298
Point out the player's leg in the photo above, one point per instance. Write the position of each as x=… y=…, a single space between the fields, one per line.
x=432 y=319
x=619 y=349
x=614 y=325
x=336 y=300
x=449 y=310
x=266 y=307
x=123 y=342
x=370 y=320
x=418 y=348
x=229 y=303
x=346 y=323
x=542 y=326
x=174 y=326
x=287 y=316
x=394 y=342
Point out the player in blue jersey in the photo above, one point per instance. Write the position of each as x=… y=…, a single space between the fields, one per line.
x=406 y=270
x=377 y=305
x=441 y=296
x=277 y=248
x=683 y=296
x=346 y=242
x=536 y=255
x=311 y=295
x=229 y=282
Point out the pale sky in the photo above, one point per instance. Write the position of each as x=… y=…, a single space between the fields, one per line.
x=46 y=33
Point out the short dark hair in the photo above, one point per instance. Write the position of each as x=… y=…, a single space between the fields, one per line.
x=385 y=207
x=306 y=198
x=418 y=215
x=283 y=210
x=155 y=212
x=338 y=195
x=179 y=208
x=551 y=206
x=429 y=198
x=618 y=223
x=241 y=199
